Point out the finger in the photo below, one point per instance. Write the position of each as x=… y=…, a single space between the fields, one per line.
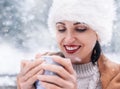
x=46 y=53
x=23 y=64
x=66 y=63
x=53 y=80
x=18 y=82
x=49 y=86
x=38 y=55
x=30 y=66
x=33 y=72
x=59 y=70
x=34 y=78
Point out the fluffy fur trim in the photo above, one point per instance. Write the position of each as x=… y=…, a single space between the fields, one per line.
x=98 y=14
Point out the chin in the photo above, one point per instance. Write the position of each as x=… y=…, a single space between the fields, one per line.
x=74 y=59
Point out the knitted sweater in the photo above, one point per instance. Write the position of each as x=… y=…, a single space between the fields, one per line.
x=88 y=76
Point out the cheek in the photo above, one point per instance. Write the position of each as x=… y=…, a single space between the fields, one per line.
x=90 y=42
x=59 y=39
x=90 y=45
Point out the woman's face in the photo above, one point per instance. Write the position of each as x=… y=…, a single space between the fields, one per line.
x=76 y=40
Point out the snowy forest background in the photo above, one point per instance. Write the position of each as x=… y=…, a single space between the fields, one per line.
x=23 y=33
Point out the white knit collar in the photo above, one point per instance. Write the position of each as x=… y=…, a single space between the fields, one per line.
x=85 y=70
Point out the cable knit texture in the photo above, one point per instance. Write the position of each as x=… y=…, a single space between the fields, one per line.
x=88 y=76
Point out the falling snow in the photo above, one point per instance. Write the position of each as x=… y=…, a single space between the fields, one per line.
x=23 y=33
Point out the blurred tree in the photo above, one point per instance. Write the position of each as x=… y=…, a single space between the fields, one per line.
x=115 y=44
x=21 y=20
x=23 y=23
x=10 y=24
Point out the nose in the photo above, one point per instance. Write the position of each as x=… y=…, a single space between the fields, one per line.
x=69 y=38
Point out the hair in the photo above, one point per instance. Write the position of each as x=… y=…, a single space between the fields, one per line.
x=96 y=52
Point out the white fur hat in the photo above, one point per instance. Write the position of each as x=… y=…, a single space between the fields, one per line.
x=98 y=14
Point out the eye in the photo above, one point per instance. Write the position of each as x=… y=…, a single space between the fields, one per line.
x=62 y=30
x=81 y=29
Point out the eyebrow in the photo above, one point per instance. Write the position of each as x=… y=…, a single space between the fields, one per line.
x=78 y=23
x=73 y=23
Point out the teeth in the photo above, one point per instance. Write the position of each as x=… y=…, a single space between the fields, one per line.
x=71 y=48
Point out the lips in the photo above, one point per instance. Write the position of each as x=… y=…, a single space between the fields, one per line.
x=71 y=48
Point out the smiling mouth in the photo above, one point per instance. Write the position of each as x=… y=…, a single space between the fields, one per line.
x=71 y=48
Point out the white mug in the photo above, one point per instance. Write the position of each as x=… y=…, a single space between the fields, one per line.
x=48 y=60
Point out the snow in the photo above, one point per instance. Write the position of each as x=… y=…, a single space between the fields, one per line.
x=11 y=57
x=115 y=57
x=24 y=33
x=8 y=81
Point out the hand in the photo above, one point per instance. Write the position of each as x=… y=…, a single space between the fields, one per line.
x=66 y=78
x=29 y=72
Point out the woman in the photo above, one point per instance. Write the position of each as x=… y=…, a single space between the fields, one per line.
x=81 y=26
